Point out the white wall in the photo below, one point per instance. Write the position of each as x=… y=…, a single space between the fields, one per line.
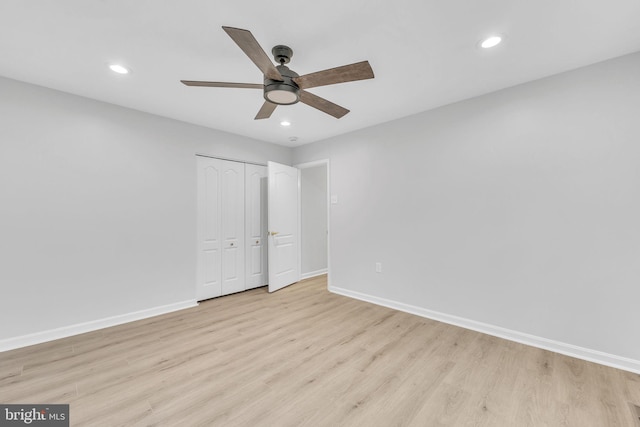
x=518 y=209
x=98 y=207
x=313 y=219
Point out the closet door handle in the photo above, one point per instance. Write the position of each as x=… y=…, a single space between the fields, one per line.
x=273 y=233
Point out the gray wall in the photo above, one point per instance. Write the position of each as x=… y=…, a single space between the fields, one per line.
x=517 y=209
x=313 y=219
x=98 y=215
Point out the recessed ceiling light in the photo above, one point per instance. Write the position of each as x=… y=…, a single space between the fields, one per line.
x=491 y=42
x=117 y=68
x=285 y=123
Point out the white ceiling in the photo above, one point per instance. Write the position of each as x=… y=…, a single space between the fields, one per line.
x=424 y=53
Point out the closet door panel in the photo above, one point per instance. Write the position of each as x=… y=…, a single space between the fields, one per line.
x=209 y=274
x=233 y=242
x=256 y=225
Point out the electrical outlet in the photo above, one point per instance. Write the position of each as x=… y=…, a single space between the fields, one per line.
x=378 y=267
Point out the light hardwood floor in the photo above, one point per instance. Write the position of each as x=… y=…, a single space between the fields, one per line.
x=305 y=357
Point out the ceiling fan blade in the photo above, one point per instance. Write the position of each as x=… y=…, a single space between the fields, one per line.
x=249 y=45
x=266 y=110
x=346 y=73
x=223 y=84
x=322 y=104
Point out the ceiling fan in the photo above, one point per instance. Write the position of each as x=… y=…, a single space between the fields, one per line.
x=283 y=86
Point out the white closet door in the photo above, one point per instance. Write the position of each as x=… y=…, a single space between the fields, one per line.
x=209 y=274
x=256 y=225
x=233 y=242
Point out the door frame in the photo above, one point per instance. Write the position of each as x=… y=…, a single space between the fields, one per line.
x=306 y=165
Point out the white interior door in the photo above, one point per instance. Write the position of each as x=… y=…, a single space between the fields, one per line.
x=283 y=226
x=209 y=241
x=233 y=243
x=256 y=225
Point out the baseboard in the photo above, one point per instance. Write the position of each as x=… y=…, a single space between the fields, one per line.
x=313 y=274
x=590 y=355
x=81 y=328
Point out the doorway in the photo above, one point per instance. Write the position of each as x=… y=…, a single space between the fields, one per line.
x=314 y=218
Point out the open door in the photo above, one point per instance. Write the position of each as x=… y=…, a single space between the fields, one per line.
x=283 y=226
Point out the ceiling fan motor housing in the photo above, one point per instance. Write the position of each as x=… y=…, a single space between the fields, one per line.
x=285 y=92
x=282 y=54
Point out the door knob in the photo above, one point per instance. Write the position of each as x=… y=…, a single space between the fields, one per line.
x=273 y=233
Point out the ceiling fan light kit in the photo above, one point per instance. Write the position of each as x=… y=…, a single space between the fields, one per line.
x=283 y=86
x=285 y=92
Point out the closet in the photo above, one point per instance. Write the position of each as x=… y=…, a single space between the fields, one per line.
x=231 y=227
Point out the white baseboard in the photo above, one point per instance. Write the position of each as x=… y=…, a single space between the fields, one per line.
x=313 y=274
x=81 y=328
x=595 y=356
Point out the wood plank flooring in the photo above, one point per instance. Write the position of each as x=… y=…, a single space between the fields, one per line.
x=305 y=357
